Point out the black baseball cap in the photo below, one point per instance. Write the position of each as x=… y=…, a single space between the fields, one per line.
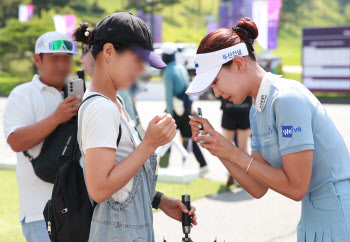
x=127 y=29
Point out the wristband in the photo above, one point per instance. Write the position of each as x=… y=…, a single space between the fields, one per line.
x=156 y=200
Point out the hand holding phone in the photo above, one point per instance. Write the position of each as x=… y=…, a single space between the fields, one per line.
x=201 y=131
x=198 y=125
x=75 y=87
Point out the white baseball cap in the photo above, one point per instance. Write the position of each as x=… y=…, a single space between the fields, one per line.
x=208 y=66
x=169 y=48
x=54 y=42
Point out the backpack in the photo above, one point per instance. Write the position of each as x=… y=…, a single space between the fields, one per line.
x=68 y=214
x=55 y=151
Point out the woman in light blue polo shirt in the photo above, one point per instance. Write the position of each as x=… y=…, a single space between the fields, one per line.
x=296 y=149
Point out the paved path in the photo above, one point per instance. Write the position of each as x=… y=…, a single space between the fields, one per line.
x=236 y=216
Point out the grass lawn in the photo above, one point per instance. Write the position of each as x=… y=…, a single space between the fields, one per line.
x=10 y=229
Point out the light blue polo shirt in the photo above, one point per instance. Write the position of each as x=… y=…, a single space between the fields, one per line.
x=287 y=118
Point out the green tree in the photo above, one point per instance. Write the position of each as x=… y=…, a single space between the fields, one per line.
x=8 y=9
x=151 y=6
x=40 y=5
x=17 y=43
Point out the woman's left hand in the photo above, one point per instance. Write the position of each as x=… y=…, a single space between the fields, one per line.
x=217 y=144
x=174 y=209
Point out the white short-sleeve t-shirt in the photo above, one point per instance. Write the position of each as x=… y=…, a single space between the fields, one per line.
x=100 y=128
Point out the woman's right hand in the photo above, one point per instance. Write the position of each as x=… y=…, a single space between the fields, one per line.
x=160 y=131
x=195 y=123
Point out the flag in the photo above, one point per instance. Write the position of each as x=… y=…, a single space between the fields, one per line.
x=25 y=12
x=274 y=7
x=260 y=17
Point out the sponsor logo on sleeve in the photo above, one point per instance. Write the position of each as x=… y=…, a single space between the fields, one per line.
x=287 y=131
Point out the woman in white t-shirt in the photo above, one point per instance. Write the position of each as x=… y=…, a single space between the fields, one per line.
x=121 y=176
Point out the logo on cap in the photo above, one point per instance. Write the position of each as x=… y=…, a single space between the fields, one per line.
x=196 y=65
x=232 y=54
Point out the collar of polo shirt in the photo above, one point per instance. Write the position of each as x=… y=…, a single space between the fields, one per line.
x=38 y=83
x=208 y=66
x=264 y=91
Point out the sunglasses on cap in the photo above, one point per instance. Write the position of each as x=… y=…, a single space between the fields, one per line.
x=57 y=45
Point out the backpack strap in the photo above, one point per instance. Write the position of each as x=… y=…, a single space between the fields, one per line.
x=120 y=134
x=121 y=100
x=120 y=127
x=26 y=154
x=76 y=147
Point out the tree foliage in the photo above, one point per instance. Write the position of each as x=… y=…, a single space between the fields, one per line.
x=148 y=6
x=17 y=43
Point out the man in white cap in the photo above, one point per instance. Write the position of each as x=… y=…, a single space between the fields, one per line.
x=33 y=110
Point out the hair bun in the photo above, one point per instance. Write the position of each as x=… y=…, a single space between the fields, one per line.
x=249 y=25
x=83 y=33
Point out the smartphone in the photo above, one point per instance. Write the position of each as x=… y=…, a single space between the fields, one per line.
x=74 y=87
x=199 y=112
x=200 y=115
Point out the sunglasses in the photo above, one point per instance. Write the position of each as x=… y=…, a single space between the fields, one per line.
x=57 y=45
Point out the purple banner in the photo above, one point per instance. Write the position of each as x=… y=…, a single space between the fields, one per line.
x=141 y=15
x=248 y=8
x=212 y=27
x=236 y=12
x=232 y=11
x=274 y=7
x=224 y=16
x=157 y=23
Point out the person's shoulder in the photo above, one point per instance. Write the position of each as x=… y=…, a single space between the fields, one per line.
x=23 y=88
x=283 y=83
x=25 y=91
x=292 y=95
x=100 y=106
x=289 y=90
